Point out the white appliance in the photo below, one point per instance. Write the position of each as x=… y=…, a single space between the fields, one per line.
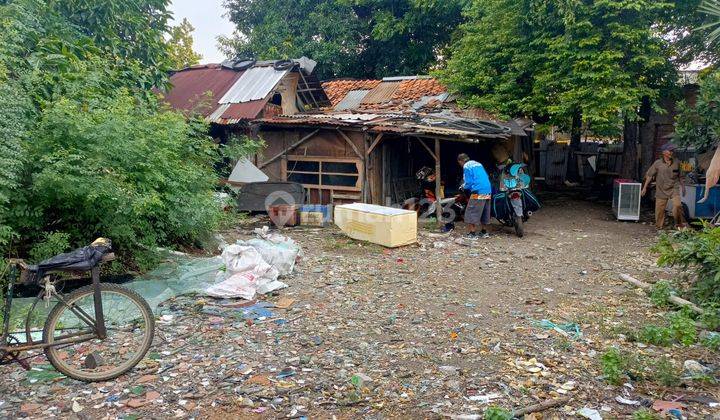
x=626 y=199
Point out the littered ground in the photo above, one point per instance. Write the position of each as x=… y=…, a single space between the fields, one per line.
x=443 y=328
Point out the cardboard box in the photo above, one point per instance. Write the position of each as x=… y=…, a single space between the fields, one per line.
x=386 y=226
x=312 y=218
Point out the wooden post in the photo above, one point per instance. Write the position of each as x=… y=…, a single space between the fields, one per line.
x=438 y=182
x=366 y=170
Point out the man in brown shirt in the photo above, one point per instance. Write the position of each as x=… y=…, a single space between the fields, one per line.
x=669 y=186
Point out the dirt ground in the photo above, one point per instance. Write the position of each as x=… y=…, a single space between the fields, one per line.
x=436 y=330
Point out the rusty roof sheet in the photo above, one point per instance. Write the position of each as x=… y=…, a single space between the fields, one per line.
x=235 y=113
x=382 y=93
x=198 y=88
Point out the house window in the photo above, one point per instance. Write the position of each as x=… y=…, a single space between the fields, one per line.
x=325 y=173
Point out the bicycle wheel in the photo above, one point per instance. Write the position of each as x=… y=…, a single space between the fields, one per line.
x=130 y=329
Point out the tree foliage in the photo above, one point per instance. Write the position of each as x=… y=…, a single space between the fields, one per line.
x=180 y=45
x=350 y=38
x=86 y=149
x=699 y=124
x=562 y=61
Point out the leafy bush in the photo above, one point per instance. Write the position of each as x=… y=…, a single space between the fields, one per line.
x=645 y=414
x=497 y=413
x=114 y=167
x=660 y=294
x=659 y=336
x=711 y=316
x=613 y=366
x=665 y=372
x=52 y=244
x=105 y=159
x=698 y=251
x=698 y=125
x=683 y=327
x=712 y=341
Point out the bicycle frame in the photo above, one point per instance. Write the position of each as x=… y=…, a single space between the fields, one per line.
x=97 y=325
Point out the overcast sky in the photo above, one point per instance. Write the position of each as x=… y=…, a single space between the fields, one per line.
x=207 y=18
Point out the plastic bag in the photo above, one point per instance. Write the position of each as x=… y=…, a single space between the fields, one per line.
x=247 y=273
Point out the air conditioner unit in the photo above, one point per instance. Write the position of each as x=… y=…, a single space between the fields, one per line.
x=626 y=199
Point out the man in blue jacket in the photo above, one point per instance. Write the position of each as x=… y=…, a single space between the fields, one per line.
x=476 y=183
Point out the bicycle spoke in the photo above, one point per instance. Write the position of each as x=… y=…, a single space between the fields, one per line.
x=127 y=327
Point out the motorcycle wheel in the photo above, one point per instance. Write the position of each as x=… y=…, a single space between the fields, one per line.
x=519 y=227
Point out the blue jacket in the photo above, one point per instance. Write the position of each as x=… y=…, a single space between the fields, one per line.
x=475 y=178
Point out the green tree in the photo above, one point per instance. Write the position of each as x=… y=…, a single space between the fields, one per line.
x=699 y=125
x=181 y=46
x=579 y=64
x=86 y=149
x=358 y=38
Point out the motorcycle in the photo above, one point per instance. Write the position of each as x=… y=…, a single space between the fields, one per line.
x=513 y=204
x=426 y=201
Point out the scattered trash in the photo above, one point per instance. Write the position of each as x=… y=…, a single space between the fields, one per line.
x=666 y=406
x=254 y=266
x=589 y=413
x=566 y=387
x=284 y=303
x=373 y=332
x=258 y=311
x=286 y=373
x=485 y=399
x=567 y=330
x=626 y=401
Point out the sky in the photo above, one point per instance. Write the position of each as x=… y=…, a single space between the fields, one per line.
x=207 y=18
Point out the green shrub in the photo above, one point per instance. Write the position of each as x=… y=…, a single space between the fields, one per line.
x=712 y=341
x=665 y=372
x=113 y=167
x=50 y=245
x=683 y=327
x=660 y=294
x=497 y=413
x=698 y=251
x=645 y=414
x=711 y=316
x=613 y=366
x=659 y=336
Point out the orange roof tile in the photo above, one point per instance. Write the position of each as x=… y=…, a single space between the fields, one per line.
x=412 y=90
x=337 y=89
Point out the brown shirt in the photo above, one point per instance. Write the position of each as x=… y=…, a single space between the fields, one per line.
x=667 y=177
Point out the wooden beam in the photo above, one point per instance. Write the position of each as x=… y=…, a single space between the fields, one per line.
x=429 y=150
x=350 y=142
x=375 y=143
x=292 y=146
x=438 y=182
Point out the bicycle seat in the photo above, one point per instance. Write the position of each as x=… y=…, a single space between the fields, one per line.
x=83 y=259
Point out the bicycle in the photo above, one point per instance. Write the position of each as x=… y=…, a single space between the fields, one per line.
x=95 y=333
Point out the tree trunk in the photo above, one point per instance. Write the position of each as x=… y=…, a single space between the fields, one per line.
x=631 y=132
x=576 y=130
x=575 y=137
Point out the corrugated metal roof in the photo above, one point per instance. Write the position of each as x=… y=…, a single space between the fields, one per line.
x=382 y=93
x=255 y=83
x=235 y=113
x=190 y=86
x=352 y=100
